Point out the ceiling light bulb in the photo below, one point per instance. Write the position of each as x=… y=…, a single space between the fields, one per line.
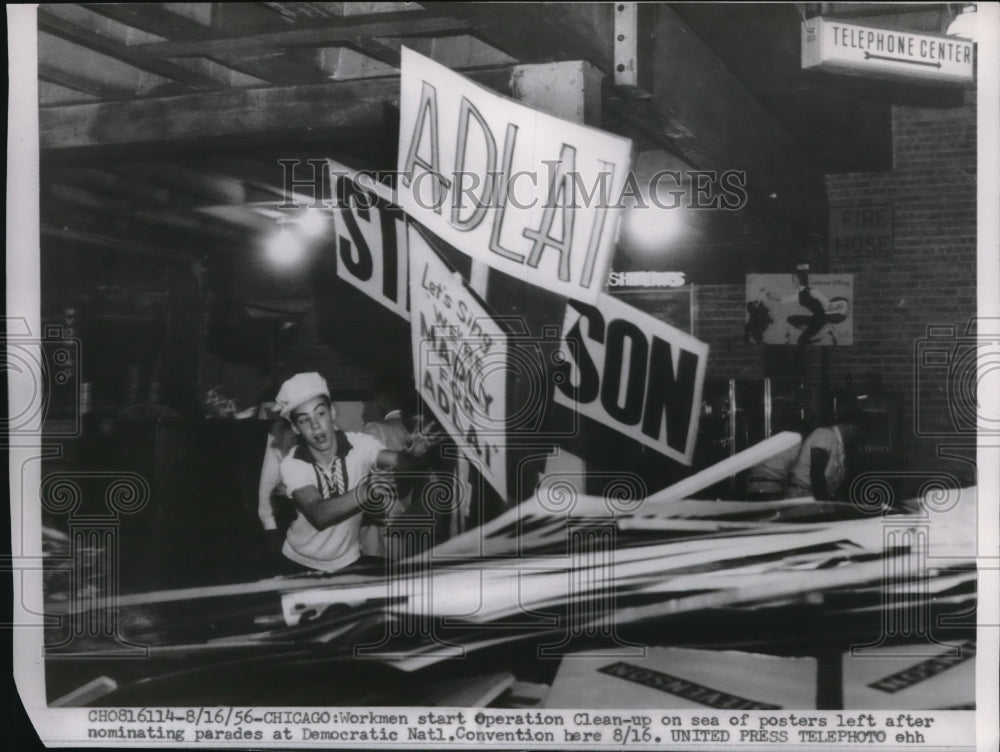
x=284 y=248
x=312 y=222
x=652 y=229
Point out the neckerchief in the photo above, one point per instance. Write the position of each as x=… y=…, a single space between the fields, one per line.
x=330 y=481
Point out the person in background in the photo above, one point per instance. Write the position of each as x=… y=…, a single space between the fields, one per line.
x=396 y=431
x=820 y=467
x=280 y=443
x=768 y=480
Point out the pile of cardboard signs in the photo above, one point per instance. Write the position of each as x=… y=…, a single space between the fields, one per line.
x=646 y=600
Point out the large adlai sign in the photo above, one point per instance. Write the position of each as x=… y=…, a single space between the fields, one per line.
x=460 y=361
x=634 y=373
x=370 y=239
x=524 y=192
x=851 y=48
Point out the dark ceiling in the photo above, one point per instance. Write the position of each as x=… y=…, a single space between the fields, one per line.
x=162 y=123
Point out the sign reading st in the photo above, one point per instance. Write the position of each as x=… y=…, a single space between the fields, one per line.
x=370 y=239
x=633 y=373
x=835 y=45
x=526 y=193
x=459 y=361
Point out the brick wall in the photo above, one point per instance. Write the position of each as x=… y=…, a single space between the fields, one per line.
x=928 y=281
x=720 y=312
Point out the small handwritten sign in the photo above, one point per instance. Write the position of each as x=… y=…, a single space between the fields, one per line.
x=860 y=231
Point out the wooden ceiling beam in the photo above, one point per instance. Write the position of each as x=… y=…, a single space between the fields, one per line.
x=51 y=95
x=234 y=19
x=103 y=69
x=275 y=67
x=377 y=50
x=542 y=32
x=456 y=51
x=152 y=18
x=313 y=12
x=54 y=75
x=860 y=10
x=256 y=113
x=133 y=55
x=389 y=24
x=343 y=107
x=227 y=75
x=96 y=23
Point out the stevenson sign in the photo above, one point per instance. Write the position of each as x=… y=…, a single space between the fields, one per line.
x=633 y=373
x=851 y=48
x=521 y=191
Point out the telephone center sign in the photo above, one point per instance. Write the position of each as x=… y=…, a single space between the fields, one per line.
x=837 y=46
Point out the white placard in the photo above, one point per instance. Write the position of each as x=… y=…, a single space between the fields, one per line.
x=633 y=373
x=783 y=309
x=459 y=361
x=523 y=192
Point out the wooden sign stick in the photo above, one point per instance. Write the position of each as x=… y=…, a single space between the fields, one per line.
x=722 y=470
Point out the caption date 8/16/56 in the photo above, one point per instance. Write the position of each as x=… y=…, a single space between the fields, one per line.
x=492 y=727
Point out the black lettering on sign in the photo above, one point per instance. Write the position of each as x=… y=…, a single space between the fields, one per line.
x=354 y=252
x=586 y=388
x=560 y=185
x=390 y=273
x=633 y=372
x=688 y=690
x=669 y=395
x=860 y=231
x=462 y=192
x=504 y=188
x=427 y=113
x=367 y=243
x=620 y=331
x=924 y=670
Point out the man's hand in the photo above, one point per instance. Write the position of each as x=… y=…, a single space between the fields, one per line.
x=422 y=439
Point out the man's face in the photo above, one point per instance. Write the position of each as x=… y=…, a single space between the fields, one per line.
x=314 y=422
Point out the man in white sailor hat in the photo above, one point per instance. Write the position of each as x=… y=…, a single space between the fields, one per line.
x=332 y=476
